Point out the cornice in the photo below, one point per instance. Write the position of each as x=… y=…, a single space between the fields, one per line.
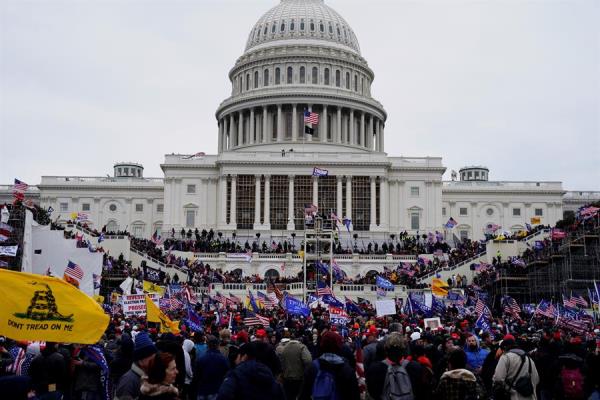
x=102 y=187
x=499 y=190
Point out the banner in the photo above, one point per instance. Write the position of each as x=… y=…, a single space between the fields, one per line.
x=37 y=307
x=9 y=251
x=155 y=315
x=154 y=288
x=338 y=316
x=296 y=307
x=135 y=304
x=385 y=307
x=536 y=220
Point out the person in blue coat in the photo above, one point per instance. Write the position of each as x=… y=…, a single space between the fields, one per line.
x=475 y=354
x=209 y=371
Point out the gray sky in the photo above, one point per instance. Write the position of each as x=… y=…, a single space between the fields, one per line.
x=513 y=85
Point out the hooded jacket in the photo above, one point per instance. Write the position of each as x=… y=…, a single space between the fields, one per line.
x=475 y=358
x=250 y=380
x=345 y=377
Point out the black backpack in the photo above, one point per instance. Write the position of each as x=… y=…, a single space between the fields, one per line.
x=523 y=385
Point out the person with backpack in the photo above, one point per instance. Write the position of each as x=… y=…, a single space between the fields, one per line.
x=458 y=383
x=516 y=376
x=396 y=377
x=330 y=377
x=570 y=382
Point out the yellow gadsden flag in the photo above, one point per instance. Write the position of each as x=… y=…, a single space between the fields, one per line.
x=154 y=314
x=154 y=288
x=38 y=307
x=536 y=220
x=438 y=287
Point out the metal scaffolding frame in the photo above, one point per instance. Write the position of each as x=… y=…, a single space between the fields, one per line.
x=318 y=246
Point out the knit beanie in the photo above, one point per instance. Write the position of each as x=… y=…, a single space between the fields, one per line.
x=143 y=347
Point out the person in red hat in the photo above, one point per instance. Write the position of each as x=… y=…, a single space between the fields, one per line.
x=513 y=365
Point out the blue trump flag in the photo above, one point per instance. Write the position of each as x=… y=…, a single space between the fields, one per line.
x=332 y=301
x=483 y=323
x=296 y=307
x=194 y=321
x=352 y=307
x=383 y=283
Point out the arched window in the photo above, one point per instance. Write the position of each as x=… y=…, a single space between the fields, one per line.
x=302 y=75
x=290 y=72
x=266 y=77
x=302 y=24
x=326 y=76
x=347 y=80
x=273 y=27
x=292 y=25
x=338 y=31
x=272 y=273
x=247 y=81
x=282 y=28
x=321 y=26
x=255 y=79
x=315 y=75
x=266 y=29
x=337 y=78
x=258 y=31
x=312 y=25
x=330 y=28
x=277 y=76
x=355 y=83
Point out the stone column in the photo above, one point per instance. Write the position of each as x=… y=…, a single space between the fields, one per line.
x=315 y=187
x=264 y=125
x=222 y=201
x=352 y=139
x=233 y=207
x=349 y=199
x=294 y=123
x=279 y=124
x=290 y=224
x=382 y=137
x=220 y=138
x=257 y=201
x=363 y=138
x=323 y=123
x=338 y=130
x=373 y=222
x=232 y=135
x=251 y=130
x=339 y=195
x=241 y=128
x=370 y=133
x=267 y=212
x=383 y=203
x=378 y=135
x=226 y=142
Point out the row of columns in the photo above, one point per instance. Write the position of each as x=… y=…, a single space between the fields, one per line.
x=344 y=128
x=341 y=211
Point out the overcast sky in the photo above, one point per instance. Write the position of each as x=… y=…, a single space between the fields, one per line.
x=513 y=85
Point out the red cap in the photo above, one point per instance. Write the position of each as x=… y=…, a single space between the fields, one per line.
x=508 y=337
x=261 y=333
x=455 y=335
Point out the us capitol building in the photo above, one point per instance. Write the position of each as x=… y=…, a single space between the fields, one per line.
x=301 y=55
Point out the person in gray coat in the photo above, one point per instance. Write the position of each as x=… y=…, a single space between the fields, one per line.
x=509 y=369
x=129 y=385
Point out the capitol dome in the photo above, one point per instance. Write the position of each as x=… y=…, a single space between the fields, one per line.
x=301 y=57
x=302 y=19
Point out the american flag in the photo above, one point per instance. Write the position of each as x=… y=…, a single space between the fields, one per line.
x=546 y=309
x=310 y=208
x=579 y=300
x=20 y=186
x=311 y=117
x=323 y=289
x=189 y=295
x=360 y=369
x=254 y=319
x=272 y=289
x=235 y=299
x=266 y=300
x=74 y=271
x=511 y=307
x=482 y=308
x=569 y=302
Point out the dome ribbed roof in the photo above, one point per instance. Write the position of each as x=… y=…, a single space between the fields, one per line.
x=302 y=20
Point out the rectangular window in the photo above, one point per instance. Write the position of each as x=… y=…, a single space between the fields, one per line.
x=190 y=218
x=191 y=189
x=414 y=191
x=464 y=235
x=245 y=199
x=516 y=212
x=539 y=212
x=361 y=203
x=302 y=196
x=444 y=211
x=279 y=201
x=64 y=206
x=463 y=211
x=160 y=208
x=414 y=221
x=85 y=207
x=139 y=207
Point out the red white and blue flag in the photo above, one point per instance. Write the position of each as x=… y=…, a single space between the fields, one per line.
x=311 y=117
x=20 y=186
x=74 y=271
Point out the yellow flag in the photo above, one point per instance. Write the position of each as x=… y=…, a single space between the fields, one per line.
x=154 y=314
x=438 y=287
x=154 y=288
x=536 y=220
x=99 y=299
x=38 y=307
x=73 y=216
x=301 y=254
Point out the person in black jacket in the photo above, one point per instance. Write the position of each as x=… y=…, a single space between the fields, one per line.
x=331 y=361
x=251 y=379
x=49 y=373
x=396 y=351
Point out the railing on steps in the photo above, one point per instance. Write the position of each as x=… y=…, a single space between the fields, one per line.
x=453 y=267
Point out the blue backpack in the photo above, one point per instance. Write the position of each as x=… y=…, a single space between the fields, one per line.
x=324 y=385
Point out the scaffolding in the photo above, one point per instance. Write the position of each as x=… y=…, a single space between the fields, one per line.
x=318 y=247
